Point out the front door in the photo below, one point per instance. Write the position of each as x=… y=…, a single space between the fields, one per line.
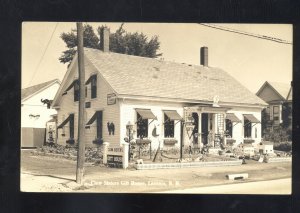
x=204 y=128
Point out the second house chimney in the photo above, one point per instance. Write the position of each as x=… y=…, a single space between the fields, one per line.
x=104 y=39
x=204 y=56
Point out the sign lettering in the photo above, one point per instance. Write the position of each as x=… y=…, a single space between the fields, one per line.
x=111 y=99
x=114 y=161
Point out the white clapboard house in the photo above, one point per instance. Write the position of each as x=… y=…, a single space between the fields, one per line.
x=153 y=94
x=36 y=112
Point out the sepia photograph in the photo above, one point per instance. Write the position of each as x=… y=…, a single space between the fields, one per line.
x=168 y=108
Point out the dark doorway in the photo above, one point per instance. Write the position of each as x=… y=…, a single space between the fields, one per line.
x=204 y=128
x=196 y=123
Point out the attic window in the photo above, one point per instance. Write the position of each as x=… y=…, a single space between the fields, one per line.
x=94 y=87
x=93 y=80
x=76 y=90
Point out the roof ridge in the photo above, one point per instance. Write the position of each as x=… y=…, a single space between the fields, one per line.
x=149 y=58
x=47 y=82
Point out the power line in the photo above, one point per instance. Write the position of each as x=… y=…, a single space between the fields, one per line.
x=278 y=40
x=42 y=57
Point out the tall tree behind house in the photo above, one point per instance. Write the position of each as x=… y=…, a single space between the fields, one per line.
x=120 y=41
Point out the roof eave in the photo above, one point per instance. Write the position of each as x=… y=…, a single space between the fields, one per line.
x=56 y=98
x=38 y=91
x=180 y=100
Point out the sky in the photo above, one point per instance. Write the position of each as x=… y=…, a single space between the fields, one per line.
x=250 y=60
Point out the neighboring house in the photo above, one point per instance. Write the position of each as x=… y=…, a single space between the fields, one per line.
x=278 y=96
x=35 y=114
x=153 y=93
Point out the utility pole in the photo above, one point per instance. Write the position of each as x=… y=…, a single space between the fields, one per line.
x=81 y=118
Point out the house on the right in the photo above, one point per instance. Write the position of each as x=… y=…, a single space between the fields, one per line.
x=279 y=98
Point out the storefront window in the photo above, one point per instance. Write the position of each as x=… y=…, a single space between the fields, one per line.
x=228 y=128
x=142 y=127
x=168 y=127
x=247 y=128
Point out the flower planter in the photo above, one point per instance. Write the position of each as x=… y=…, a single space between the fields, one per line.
x=98 y=141
x=248 y=141
x=230 y=141
x=70 y=141
x=170 y=141
x=143 y=141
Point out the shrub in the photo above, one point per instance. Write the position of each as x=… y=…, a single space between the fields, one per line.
x=283 y=146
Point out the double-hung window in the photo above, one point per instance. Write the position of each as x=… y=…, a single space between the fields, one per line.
x=142 y=127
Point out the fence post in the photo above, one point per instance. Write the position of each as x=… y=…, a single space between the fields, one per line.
x=105 y=149
x=125 y=155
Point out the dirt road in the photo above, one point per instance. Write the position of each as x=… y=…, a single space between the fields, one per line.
x=40 y=173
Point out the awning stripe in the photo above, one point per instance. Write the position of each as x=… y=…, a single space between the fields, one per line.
x=251 y=118
x=65 y=121
x=145 y=113
x=232 y=117
x=93 y=118
x=172 y=114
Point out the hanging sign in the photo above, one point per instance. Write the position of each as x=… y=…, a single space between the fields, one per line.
x=111 y=99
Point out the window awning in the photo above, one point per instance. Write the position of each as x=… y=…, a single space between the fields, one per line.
x=71 y=116
x=172 y=114
x=146 y=113
x=70 y=86
x=90 y=79
x=93 y=118
x=251 y=118
x=232 y=117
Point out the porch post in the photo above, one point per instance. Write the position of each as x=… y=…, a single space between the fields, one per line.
x=224 y=134
x=200 y=130
x=213 y=128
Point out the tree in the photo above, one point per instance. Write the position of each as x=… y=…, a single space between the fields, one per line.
x=120 y=42
x=90 y=40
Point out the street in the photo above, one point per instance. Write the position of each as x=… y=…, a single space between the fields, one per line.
x=48 y=174
x=280 y=186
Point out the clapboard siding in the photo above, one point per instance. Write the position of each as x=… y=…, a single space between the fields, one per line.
x=110 y=112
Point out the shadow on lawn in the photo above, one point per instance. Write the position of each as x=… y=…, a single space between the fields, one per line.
x=52 y=176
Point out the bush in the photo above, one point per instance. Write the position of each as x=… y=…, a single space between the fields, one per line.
x=283 y=146
x=278 y=134
x=91 y=153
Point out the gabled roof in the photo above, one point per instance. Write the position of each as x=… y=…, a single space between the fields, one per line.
x=30 y=91
x=148 y=77
x=140 y=76
x=284 y=90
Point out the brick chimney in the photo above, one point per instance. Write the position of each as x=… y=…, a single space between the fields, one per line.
x=104 y=39
x=204 y=56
